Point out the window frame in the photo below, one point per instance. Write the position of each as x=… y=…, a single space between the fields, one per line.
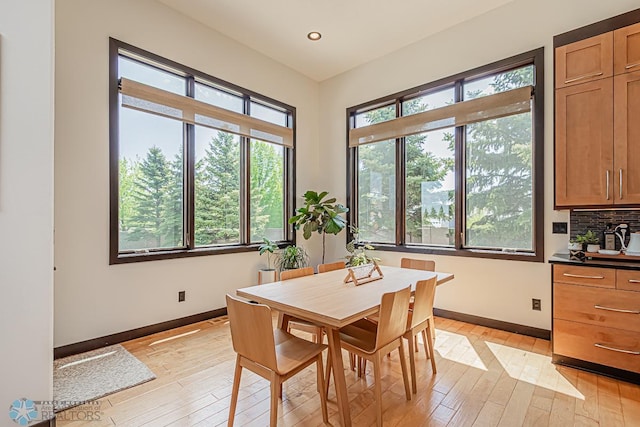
x=191 y=75
x=535 y=58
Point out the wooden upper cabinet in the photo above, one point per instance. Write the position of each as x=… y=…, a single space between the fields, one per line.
x=627 y=138
x=627 y=49
x=585 y=60
x=584 y=144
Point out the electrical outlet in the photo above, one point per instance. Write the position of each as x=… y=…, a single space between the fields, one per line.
x=535 y=304
x=181 y=296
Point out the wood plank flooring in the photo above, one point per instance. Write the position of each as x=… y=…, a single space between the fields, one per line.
x=485 y=377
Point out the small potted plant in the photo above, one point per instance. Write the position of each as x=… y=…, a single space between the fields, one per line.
x=267 y=275
x=292 y=257
x=590 y=239
x=358 y=254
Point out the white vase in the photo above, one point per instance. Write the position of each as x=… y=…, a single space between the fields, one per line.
x=266 y=276
x=593 y=248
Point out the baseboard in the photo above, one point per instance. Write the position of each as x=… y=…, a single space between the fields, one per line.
x=607 y=371
x=495 y=324
x=95 y=343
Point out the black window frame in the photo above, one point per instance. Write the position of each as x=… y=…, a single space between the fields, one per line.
x=535 y=58
x=116 y=47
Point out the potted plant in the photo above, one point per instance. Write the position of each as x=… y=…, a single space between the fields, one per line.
x=267 y=275
x=320 y=215
x=590 y=239
x=358 y=254
x=291 y=257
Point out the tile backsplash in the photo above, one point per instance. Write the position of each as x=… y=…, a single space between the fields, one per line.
x=596 y=221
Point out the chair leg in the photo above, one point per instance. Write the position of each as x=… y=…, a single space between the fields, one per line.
x=428 y=338
x=234 y=391
x=352 y=361
x=378 y=387
x=405 y=377
x=328 y=375
x=323 y=393
x=415 y=342
x=275 y=386
x=412 y=363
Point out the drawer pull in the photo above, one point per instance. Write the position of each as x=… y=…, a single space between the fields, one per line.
x=586 y=76
x=634 y=281
x=617 y=310
x=619 y=350
x=580 y=276
x=637 y=64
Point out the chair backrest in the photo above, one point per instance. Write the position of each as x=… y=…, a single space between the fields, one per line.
x=392 y=322
x=252 y=331
x=338 y=265
x=298 y=272
x=423 y=301
x=418 y=264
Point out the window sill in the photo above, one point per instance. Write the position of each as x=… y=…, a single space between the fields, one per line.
x=471 y=253
x=157 y=255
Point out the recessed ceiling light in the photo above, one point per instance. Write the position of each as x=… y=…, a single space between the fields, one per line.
x=314 y=36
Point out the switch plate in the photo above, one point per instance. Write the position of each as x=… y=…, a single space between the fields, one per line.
x=181 y=296
x=559 y=228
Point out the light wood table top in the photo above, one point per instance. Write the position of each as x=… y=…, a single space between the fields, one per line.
x=326 y=300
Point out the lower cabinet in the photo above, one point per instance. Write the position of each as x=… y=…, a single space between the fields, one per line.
x=596 y=316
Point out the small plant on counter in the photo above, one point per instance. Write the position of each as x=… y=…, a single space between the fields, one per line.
x=292 y=257
x=588 y=238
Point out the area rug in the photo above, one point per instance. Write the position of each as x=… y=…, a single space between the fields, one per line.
x=89 y=376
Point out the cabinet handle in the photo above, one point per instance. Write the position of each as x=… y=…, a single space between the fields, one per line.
x=634 y=281
x=607 y=184
x=620 y=184
x=580 y=276
x=619 y=350
x=617 y=310
x=586 y=76
x=637 y=64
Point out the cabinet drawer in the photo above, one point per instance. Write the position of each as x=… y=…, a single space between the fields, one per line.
x=628 y=280
x=597 y=306
x=587 y=276
x=597 y=344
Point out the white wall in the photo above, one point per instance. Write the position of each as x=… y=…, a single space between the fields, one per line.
x=490 y=288
x=93 y=299
x=26 y=202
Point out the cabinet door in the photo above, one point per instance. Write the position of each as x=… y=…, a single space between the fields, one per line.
x=584 y=144
x=585 y=60
x=627 y=139
x=627 y=49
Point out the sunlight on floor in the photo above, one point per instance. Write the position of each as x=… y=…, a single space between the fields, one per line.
x=175 y=337
x=533 y=368
x=457 y=348
x=88 y=359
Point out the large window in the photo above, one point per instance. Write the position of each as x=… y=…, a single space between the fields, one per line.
x=453 y=167
x=198 y=166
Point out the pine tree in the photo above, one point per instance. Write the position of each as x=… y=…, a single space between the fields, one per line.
x=173 y=208
x=149 y=194
x=266 y=191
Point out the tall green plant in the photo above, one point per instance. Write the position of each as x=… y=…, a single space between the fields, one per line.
x=319 y=215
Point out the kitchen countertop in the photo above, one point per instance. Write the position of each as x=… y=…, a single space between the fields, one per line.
x=560 y=258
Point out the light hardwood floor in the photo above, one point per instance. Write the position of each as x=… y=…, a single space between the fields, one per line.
x=485 y=377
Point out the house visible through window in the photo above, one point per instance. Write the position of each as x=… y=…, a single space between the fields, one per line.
x=453 y=167
x=198 y=166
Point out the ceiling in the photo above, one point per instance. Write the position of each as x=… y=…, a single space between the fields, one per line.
x=353 y=31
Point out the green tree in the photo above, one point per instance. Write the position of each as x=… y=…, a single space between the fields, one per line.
x=149 y=196
x=217 y=185
x=266 y=190
x=499 y=174
x=128 y=171
x=173 y=209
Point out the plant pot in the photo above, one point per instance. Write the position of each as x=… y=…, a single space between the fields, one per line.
x=593 y=248
x=573 y=246
x=266 y=276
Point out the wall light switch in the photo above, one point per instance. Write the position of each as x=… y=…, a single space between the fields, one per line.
x=559 y=228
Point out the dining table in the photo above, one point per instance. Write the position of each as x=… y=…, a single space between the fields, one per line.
x=327 y=300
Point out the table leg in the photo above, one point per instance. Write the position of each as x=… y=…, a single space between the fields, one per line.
x=338 y=376
x=283 y=320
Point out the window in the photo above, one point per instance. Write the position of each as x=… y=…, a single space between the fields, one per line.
x=198 y=166
x=453 y=167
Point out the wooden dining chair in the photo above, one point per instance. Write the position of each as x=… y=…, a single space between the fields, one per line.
x=338 y=265
x=419 y=321
x=418 y=264
x=299 y=324
x=371 y=341
x=273 y=354
x=298 y=272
